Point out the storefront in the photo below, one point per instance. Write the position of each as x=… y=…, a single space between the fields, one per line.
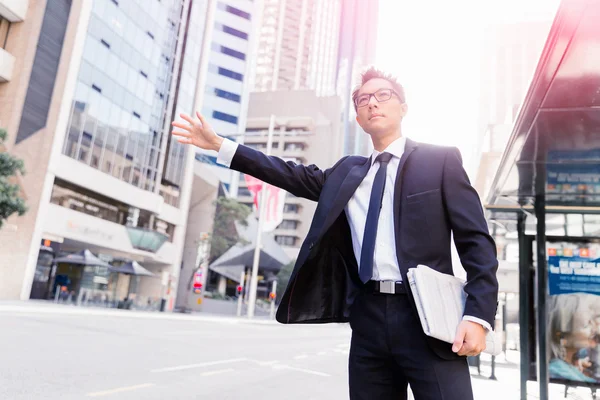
x=546 y=195
x=68 y=231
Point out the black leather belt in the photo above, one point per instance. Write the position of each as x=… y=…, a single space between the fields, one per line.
x=386 y=287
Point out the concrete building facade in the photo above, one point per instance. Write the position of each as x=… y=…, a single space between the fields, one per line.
x=307 y=131
x=88 y=108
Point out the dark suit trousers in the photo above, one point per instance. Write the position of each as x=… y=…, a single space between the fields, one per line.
x=389 y=351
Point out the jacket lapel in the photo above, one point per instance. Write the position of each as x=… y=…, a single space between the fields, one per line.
x=408 y=149
x=345 y=192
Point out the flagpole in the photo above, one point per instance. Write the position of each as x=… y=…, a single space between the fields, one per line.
x=261 y=213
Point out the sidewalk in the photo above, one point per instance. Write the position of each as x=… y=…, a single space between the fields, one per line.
x=47 y=307
x=507 y=385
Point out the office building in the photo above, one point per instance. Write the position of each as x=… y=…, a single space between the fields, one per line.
x=298 y=46
x=88 y=108
x=307 y=131
x=231 y=47
x=357 y=38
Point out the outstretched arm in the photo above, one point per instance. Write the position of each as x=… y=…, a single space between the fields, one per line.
x=300 y=180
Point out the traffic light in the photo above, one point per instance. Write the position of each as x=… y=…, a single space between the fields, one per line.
x=239 y=289
x=272 y=296
x=198 y=280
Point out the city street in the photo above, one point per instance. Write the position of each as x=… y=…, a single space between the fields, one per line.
x=64 y=352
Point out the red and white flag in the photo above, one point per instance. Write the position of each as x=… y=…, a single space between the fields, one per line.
x=275 y=202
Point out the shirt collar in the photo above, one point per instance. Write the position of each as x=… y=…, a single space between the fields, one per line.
x=396 y=148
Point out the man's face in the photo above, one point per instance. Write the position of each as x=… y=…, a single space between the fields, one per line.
x=380 y=118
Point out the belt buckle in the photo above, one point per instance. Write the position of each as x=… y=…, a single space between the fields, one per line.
x=387 y=287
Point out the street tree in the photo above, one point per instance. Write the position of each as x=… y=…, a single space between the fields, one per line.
x=11 y=201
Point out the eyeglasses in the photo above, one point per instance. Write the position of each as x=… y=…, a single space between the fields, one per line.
x=381 y=95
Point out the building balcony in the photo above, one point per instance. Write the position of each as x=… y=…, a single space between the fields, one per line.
x=295 y=153
x=7 y=64
x=14 y=10
x=287 y=232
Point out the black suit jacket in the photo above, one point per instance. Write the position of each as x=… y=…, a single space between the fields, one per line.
x=432 y=198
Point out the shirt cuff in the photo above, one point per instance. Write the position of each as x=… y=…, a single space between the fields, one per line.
x=226 y=152
x=479 y=321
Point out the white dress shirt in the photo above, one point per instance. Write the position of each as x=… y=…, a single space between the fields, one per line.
x=385 y=264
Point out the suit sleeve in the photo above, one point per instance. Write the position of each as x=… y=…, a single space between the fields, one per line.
x=475 y=246
x=300 y=180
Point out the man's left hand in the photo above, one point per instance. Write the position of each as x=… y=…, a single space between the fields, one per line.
x=470 y=339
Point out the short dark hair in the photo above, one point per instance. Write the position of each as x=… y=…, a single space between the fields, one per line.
x=374 y=73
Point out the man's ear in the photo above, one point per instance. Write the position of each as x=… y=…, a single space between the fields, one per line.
x=404 y=109
x=357 y=120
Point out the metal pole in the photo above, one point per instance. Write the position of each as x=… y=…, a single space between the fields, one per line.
x=274 y=290
x=542 y=278
x=493 y=375
x=262 y=207
x=524 y=265
x=504 y=310
x=240 y=296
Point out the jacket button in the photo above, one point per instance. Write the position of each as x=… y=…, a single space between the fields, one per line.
x=312 y=244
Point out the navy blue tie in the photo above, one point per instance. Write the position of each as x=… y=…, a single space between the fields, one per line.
x=368 y=245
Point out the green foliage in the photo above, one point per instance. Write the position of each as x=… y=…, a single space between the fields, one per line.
x=283 y=277
x=224 y=234
x=10 y=200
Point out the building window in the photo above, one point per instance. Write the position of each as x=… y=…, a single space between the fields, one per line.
x=234 y=32
x=165 y=228
x=294 y=146
x=225 y=117
x=285 y=240
x=261 y=146
x=227 y=51
x=4 y=30
x=288 y=224
x=244 y=191
x=228 y=95
x=231 y=74
x=79 y=199
x=291 y=208
x=234 y=11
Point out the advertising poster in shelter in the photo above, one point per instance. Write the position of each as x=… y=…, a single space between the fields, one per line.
x=573 y=177
x=574 y=314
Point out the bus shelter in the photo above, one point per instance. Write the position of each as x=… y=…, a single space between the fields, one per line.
x=546 y=196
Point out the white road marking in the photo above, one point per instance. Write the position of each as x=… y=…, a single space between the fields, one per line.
x=300 y=357
x=265 y=363
x=217 y=372
x=321 y=353
x=119 y=390
x=200 y=365
x=306 y=371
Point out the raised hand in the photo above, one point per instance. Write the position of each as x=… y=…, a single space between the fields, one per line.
x=197 y=132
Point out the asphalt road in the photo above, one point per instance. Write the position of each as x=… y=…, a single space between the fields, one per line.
x=62 y=356
x=64 y=352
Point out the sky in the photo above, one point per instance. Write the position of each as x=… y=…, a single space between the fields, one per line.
x=433 y=47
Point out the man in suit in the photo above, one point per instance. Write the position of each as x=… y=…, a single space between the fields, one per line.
x=377 y=217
